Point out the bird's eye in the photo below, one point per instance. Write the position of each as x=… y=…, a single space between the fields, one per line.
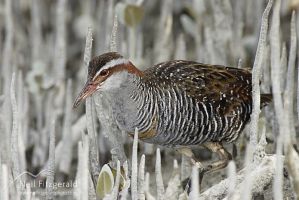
x=104 y=72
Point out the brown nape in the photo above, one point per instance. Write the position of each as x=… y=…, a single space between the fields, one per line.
x=126 y=67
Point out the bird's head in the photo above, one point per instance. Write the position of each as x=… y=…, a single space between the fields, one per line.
x=106 y=72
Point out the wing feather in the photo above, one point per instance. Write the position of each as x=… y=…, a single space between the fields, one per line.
x=227 y=88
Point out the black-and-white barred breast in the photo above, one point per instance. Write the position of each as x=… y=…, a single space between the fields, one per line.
x=188 y=103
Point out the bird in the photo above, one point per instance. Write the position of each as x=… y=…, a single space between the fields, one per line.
x=179 y=104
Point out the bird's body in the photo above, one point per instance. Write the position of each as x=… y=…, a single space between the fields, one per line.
x=176 y=103
x=184 y=103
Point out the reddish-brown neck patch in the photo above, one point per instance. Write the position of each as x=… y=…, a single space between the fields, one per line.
x=129 y=67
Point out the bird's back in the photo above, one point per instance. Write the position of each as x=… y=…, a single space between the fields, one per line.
x=193 y=103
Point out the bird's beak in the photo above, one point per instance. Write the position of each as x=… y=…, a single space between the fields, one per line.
x=88 y=90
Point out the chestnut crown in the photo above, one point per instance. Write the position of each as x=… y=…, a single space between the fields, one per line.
x=100 y=62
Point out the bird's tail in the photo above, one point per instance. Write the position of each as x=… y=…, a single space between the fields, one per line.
x=266 y=99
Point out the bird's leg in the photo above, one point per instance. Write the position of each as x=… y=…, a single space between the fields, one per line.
x=223 y=154
x=216 y=147
x=235 y=151
x=188 y=153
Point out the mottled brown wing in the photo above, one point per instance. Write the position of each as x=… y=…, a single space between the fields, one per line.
x=227 y=88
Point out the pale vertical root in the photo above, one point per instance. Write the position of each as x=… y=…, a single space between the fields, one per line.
x=1 y=178
x=147 y=187
x=238 y=30
x=290 y=83
x=185 y=168
x=148 y=195
x=159 y=177
x=281 y=115
x=147 y=182
x=93 y=139
x=102 y=101
x=261 y=175
x=78 y=179
x=240 y=63
x=113 y=41
x=254 y=156
x=195 y=184
x=85 y=166
x=5 y=183
x=117 y=182
x=174 y=187
x=292 y=162
x=91 y=118
x=256 y=72
x=141 y=184
x=231 y=174
x=275 y=65
x=125 y=190
x=36 y=36
x=22 y=120
x=6 y=73
x=222 y=33
x=103 y=18
x=200 y=9
x=284 y=65
x=87 y=54
x=163 y=36
x=88 y=47
x=291 y=154
x=134 y=183
x=14 y=146
x=211 y=57
x=77 y=128
x=109 y=22
x=60 y=42
x=67 y=150
x=51 y=164
x=180 y=52
x=298 y=93
x=28 y=192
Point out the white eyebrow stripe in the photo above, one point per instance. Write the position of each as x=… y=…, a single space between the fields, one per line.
x=111 y=64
